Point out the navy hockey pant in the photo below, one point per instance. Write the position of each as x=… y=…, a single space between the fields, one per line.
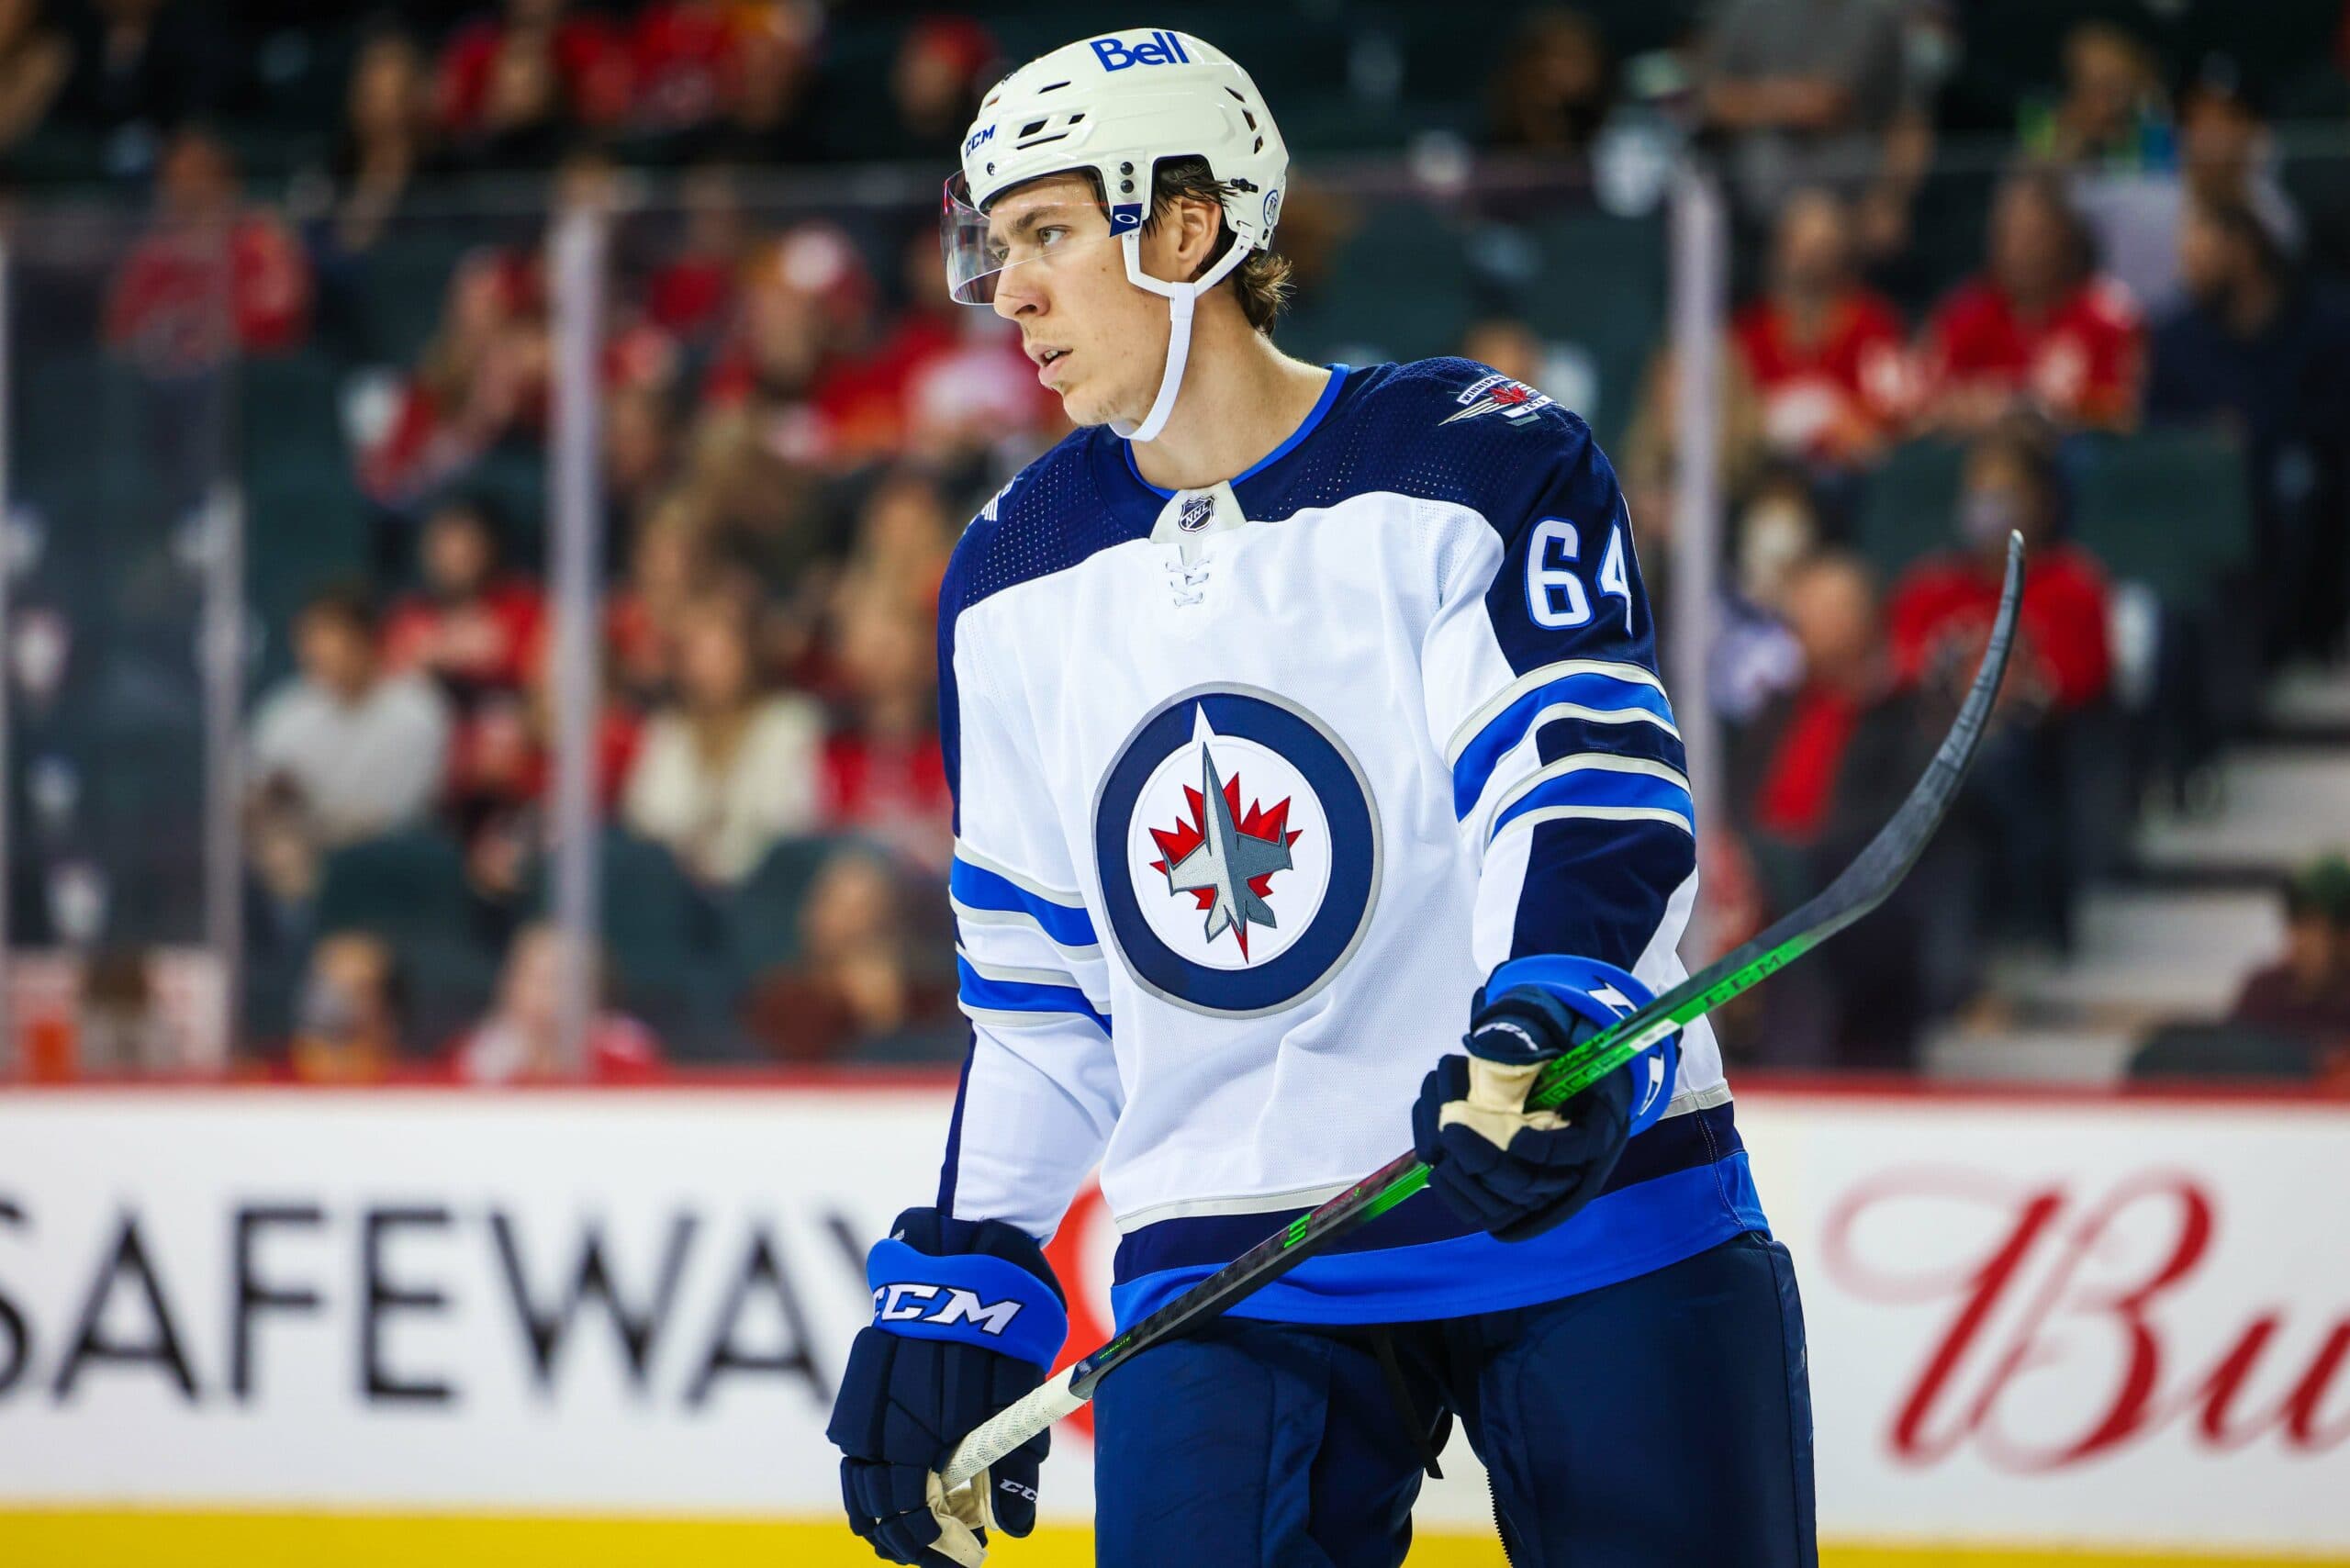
x=1658 y=1422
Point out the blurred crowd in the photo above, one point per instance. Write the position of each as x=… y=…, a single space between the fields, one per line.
x=791 y=443
x=795 y=423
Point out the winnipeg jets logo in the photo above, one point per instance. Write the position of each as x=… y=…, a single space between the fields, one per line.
x=1514 y=400
x=1223 y=859
x=1238 y=851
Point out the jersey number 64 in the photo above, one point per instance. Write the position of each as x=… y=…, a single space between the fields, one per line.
x=1555 y=597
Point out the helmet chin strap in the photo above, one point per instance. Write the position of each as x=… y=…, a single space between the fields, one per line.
x=1181 y=298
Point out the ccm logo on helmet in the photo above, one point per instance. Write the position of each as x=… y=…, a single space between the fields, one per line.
x=986 y=133
x=1159 y=49
x=919 y=1304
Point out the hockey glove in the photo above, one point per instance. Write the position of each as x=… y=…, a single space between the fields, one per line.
x=1515 y=1171
x=966 y=1317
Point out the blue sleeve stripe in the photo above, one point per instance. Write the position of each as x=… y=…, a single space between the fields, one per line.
x=1012 y=999
x=976 y=887
x=1597 y=792
x=1589 y=695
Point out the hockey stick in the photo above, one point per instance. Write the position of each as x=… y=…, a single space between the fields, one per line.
x=1861 y=886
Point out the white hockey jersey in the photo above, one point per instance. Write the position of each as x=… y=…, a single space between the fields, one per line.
x=1255 y=784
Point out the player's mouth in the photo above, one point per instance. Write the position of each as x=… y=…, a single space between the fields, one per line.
x=1045 y=360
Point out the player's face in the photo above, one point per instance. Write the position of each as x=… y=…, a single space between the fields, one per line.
x=1096 y=340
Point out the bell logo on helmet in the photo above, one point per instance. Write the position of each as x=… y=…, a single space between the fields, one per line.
x=1159 y=49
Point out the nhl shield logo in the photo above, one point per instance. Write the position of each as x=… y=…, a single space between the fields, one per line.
x=1238 y=851
x=1197 y=513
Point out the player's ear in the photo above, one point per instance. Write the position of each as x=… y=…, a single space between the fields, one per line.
x=1196 y=223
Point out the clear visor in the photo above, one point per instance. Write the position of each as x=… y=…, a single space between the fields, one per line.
x=1028 y=226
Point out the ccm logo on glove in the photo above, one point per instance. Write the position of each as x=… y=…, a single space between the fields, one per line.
x=919 y=1303
x=994 y=1303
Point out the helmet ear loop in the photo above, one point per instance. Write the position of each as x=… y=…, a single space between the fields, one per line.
x=1182 y=298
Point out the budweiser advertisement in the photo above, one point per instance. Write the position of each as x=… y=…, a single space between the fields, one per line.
x=2116 y=1322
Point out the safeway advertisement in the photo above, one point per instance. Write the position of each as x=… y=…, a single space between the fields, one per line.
x=2119 y=1322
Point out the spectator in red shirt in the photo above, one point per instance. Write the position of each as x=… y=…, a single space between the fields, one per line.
x=1943 y=607
x=472 y=627
x=521 y=1040
x=690 y=294
x=1816 y=774
x=884 y=776
x=509 y=82
x=2040 y=330
x=680 y=64
x=1830 y=606
x=481 y=379
x=475 y=631
x=937 y=381
x=2030 y=777
x=1825 y=352
x=210 y=277
x=807 y=302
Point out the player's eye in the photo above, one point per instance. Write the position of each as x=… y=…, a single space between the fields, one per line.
x=1052 y=233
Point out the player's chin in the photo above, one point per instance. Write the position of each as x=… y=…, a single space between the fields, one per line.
x=1085 y=404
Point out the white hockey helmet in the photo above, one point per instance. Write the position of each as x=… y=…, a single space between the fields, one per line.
x=1119 y=105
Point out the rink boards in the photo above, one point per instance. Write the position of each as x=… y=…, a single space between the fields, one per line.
x=574 y=1326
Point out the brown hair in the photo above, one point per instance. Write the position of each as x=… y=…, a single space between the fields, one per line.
x=1261 y=282
x=2046 y=187
x=2239 y=221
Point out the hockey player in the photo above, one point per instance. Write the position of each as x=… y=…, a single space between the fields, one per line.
x=1298 y=717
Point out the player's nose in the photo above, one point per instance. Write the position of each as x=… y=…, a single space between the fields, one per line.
x=1016 y=297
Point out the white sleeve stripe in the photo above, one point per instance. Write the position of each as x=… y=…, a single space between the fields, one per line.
x=1603 y=716
x=1007 y=1018
x=964 y=853
x=1598 y=813
x=1533 y=680
x=1076 y=953
x=1510 y=765
x=1014 y=973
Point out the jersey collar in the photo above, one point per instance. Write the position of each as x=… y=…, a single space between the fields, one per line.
x=1330 y=391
